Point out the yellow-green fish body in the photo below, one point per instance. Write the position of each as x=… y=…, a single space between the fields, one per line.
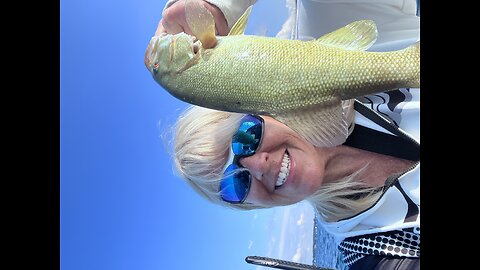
x=252 y=74
x=300 y=83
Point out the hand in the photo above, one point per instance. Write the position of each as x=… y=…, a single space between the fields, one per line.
x=173 y=19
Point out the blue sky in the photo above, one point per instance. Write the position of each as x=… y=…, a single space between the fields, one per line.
x=121 y=207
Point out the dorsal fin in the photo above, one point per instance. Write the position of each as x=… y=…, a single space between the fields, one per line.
x=358 y=35
x=239 y=27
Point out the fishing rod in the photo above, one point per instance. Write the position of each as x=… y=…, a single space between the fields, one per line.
x=281 y=264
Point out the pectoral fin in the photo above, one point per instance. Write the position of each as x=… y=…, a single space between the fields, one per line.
x=201 y=22
x=322 y=127
x=358 y=35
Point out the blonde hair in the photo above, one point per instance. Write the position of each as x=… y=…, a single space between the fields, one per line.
x=343 y=198
x=202 y=142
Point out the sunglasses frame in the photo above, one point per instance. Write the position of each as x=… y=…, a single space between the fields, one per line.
x=236 y=160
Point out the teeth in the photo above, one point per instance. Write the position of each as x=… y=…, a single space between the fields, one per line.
x=284 y=171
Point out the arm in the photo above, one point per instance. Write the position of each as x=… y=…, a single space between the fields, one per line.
x=225 y=12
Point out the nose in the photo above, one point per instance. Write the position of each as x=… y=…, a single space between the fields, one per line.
x=256 y=164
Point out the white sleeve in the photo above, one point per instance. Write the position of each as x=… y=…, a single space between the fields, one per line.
x=397 y=22
x=231 y=9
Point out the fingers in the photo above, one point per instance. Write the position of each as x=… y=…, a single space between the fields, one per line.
x=221 y=26
x=171 y=27
x=160 y=28
x=174 y=21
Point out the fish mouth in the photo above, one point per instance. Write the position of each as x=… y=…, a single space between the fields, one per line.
x=150 y=52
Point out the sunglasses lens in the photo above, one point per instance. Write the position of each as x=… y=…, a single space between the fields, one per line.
x=235 y=185
x=245 y=142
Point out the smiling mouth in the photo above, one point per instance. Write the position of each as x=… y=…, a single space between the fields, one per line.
x=284 y=171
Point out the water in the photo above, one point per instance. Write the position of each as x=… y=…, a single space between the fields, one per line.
x=325 y=252
x=290 y=234
x=293 y=235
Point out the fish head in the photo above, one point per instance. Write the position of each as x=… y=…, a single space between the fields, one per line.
x=169 y=54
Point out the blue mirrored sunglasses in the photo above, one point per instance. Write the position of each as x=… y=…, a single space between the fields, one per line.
x=235 y=183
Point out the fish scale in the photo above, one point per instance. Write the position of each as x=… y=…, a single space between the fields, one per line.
x=300 y=74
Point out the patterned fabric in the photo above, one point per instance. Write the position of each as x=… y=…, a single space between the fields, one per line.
x=389 y=104
x=399 y=243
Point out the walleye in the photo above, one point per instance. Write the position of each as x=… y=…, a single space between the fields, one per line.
x=299 y=83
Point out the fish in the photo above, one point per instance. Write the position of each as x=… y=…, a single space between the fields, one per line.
x=303 y=84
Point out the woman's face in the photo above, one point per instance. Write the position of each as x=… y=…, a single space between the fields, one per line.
x=305 y=168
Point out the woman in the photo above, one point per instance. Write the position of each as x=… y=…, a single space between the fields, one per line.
x=366 y=191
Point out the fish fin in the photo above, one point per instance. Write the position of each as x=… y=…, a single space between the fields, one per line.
x=358 y=35
x=201 y=22
x=349 y=113
x=239 y=27
x=321 y=126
